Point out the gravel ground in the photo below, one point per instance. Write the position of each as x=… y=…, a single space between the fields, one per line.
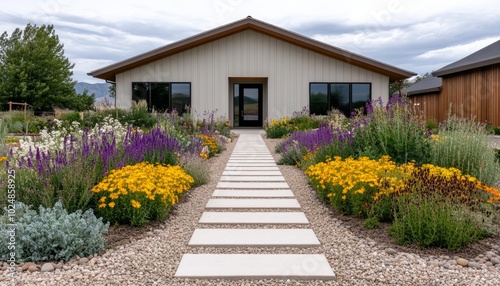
x=355 y=259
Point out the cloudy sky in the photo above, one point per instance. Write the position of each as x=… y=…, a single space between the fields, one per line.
x=420 y=36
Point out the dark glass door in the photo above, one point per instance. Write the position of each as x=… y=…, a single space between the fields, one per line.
x=250 y=105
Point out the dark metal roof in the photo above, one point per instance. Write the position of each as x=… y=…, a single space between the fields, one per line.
x=109 y=72
x=427 y=85
x=487 y=56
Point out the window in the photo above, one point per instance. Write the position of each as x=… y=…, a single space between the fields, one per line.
x=342 y=96
x=163 y=96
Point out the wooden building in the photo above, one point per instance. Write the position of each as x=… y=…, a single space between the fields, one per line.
x=471 y=85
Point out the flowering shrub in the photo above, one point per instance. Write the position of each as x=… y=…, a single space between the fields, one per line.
x=394 y=130
x=301 y=145
x=212 y=144
x=352 y=185
x=279 y=128
x=136 y=193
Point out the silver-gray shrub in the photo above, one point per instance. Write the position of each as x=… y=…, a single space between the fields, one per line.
x=52 y=234
x=464 y=144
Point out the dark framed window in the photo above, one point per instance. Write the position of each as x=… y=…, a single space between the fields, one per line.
x=163 y=96
x=342 y=96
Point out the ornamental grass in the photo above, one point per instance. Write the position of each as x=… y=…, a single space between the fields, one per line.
x=138 y=193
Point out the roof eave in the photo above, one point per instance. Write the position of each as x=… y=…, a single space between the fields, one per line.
x=447 y=71
x=422 y=91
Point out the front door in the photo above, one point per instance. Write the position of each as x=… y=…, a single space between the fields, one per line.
x=250 y=105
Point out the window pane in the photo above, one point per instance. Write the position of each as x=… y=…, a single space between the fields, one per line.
x=236 y=103
x=181 y=97
x=318 y=98
x=361 y=94
x=140 y=91
x=159 y=97
x=339 y=97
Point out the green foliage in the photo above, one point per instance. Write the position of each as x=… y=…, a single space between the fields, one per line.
x=196 y=167
x=394 y=130
x=464 y=144
x=429 y=221
x=34 y=69
x=3 y=136
x=371 y=223
x=70 y=185
x=53 y=234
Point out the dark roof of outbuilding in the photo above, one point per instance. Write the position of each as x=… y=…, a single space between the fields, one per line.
x=427 y=85
x=249 y=23
x=486 y=56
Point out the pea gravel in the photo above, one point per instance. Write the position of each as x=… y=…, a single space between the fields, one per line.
x=355 y=260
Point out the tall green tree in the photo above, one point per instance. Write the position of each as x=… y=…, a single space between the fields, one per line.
x=34 y=69
x=396 y=86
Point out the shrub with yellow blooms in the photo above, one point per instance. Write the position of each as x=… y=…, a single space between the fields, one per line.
x=352 y=185
x=138 y=193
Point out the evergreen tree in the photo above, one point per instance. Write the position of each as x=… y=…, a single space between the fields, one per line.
x=34 y=69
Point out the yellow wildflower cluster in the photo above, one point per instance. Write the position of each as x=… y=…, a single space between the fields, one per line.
x=148 y=188
x=350 y=174
x=352 y=185
x=211 y=143
x=3 y=159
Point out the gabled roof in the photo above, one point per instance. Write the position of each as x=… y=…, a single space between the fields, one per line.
x=427 y=85
x=487 y=56
x=249 y=23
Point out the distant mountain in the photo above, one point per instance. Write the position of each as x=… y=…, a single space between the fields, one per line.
x=99 y=89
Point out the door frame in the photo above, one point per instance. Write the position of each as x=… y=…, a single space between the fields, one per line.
x=233 y=108
x=242 y=121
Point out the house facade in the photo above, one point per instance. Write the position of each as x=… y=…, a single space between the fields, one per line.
x=250 y=71
x=471 y=86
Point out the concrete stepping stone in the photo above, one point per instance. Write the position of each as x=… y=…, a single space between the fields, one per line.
x=254 y=237
x=253 y=204
x=252 y=179
x=252 y=168
x=255 y=266
x=250 y=160
x=252 y=185
x=253 y=218
x=254 y=193
x=252 y=173
x=251 y=164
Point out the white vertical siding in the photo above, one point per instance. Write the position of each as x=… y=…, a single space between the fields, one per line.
x=288 y=68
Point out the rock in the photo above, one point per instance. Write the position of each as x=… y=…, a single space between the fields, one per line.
x=495 y=260
x=47 y=267
x=473 y=265
x=390 y=251
x=5 y=266
x=27 y=265
x=33 y=268
x=490 y=253
x=92 y=261
x=83 y=260
x=59 y=265
x=446 y=265
x=488 y=264
x=150 y=234
x=462 y=262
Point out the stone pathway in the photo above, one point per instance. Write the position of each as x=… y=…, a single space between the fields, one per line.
x=253 y=192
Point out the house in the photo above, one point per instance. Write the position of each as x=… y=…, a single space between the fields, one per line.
x=471 y=85
x=424 y=95
x=250 y=71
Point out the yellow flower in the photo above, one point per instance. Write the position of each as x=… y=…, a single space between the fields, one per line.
x=102 y=200
x=111 y=204
x=102 y=206
x=3 y=159
x=135 y=204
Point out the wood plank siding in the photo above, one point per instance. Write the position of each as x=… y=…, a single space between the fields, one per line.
x=286 y=69
x=473 y=93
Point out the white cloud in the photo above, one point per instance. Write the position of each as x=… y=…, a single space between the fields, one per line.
x=456 y=52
